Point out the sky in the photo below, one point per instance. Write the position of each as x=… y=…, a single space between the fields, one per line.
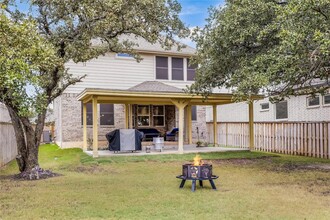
x=194 y=13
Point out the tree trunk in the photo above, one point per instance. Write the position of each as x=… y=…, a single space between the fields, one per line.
x=27 y=140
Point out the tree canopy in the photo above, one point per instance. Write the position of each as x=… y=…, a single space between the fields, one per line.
x=279 y=48
x=36 y=44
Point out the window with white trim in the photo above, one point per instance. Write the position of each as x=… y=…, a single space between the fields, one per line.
x=313 y=101
x=326 y=99
x=158 y=115
x=161 y=67
x=191 y=71
x=177 y=68
x=143 y=115
x=281 y=110
x=264 y=106
x=124 y=56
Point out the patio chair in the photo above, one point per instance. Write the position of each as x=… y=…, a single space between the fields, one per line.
x=171 y=135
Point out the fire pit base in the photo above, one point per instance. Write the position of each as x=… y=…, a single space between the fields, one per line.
x=193 y=185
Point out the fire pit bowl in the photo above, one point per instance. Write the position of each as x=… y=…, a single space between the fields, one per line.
x=197 y=171
x=191 y=171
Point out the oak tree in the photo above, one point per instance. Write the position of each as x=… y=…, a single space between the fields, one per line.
x=279 y=48
x=53 y=32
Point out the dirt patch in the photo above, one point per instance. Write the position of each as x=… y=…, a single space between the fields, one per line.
x=94 y=169
x=290 y=167
x=319 y=186
x=240 y=161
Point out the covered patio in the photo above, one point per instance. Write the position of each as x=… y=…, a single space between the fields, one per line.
x=156 y=93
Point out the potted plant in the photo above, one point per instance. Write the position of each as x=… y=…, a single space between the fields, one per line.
x=199 y=144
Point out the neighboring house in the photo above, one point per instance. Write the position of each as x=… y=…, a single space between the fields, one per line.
x=294 y=109
x=159 y=71
x=8 y=148
x=4 y=114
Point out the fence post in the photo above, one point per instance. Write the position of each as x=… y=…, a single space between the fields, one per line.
x=251 y=124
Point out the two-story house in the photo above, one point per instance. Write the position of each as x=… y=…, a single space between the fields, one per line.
x=167 y=71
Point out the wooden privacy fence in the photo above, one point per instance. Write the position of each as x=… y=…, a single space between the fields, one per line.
x=8 y=147
x=297 y=138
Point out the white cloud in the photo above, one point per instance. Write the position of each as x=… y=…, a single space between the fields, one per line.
x=191 y=10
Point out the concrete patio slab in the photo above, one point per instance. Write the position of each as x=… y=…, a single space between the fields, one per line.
x=168 y=150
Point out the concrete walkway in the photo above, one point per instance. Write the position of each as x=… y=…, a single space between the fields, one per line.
x=168 y=150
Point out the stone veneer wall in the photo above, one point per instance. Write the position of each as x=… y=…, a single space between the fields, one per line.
x=200 y=123
x=70 y=128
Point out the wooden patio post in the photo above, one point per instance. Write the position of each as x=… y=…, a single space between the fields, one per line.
x=251 y=123
x=84 y=126
x=95 y=128
x=180 y=104
x=215 y=125
x=189 y=124
x=130 y=120
x=126 y=116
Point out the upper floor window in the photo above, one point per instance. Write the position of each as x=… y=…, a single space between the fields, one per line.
x=264 y=106
x=161 y=67
x=107 y=114
x=177 y=68
x=281 y=110
x=191 y=71
x=124 y=55
x=326 y=99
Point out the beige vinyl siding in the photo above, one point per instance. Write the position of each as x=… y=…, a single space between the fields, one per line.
x=111 y=72
x=297 y=111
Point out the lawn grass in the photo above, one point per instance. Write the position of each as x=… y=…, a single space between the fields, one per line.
x=145 y=187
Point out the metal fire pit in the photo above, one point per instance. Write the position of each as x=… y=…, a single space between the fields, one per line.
x=200 y=173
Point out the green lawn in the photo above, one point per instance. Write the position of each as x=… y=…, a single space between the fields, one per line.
x=145 y=187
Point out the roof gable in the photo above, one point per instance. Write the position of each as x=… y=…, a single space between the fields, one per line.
x=154 y=86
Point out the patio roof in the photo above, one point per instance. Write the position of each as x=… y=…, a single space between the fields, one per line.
x=156 y=93
x=153 y=92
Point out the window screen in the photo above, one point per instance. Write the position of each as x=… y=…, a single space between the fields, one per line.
x=107 y=114
x=264 y=106
x=313 y=101
x=281 y=110
x=161 y=68
x=194 y=112
x=89 y=113
x=177 y=69
x=191 y=71
x=326 y=99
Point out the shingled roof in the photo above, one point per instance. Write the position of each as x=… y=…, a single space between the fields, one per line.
x=154 y=86
x=145 y=46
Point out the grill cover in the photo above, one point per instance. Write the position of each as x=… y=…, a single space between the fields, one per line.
x=124 y=140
